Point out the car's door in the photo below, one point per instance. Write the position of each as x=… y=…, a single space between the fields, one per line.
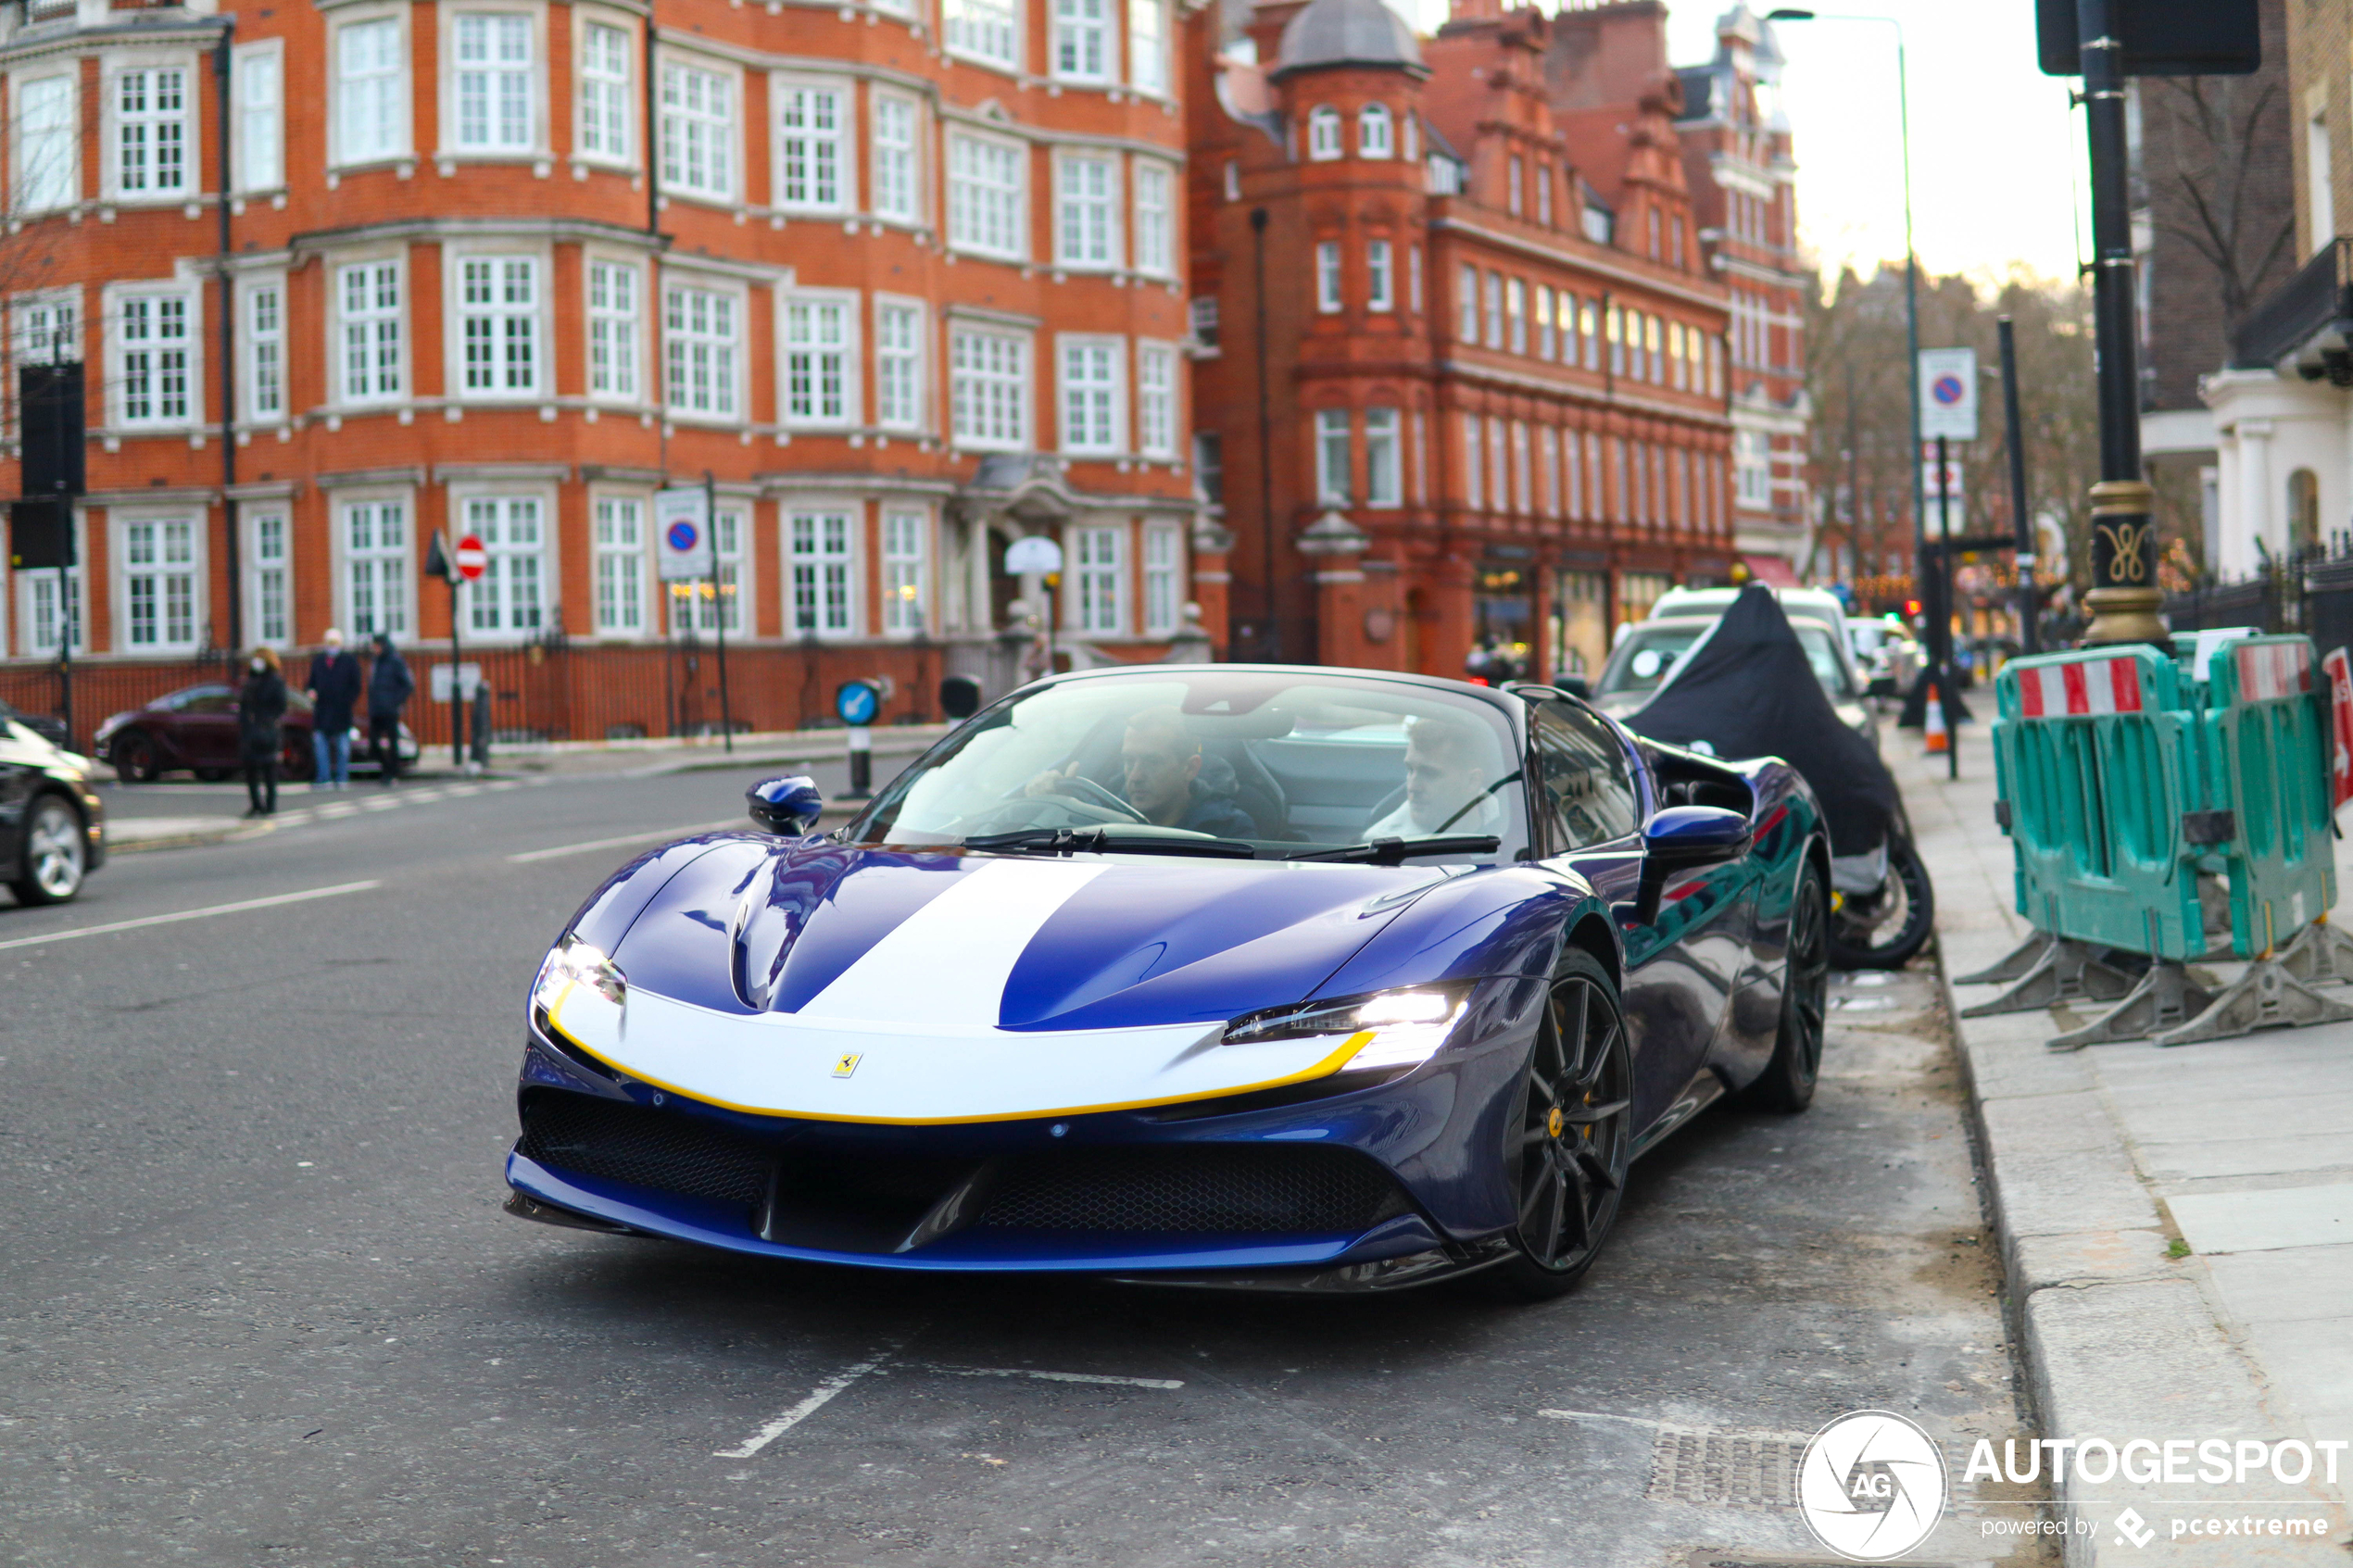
x=204 y=726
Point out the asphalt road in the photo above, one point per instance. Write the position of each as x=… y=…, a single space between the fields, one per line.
x=258 y=1306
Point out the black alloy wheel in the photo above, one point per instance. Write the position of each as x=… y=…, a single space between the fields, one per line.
x=1787 y=1083
x=1572 y=1135
x=1884 y=929
x=134 y=758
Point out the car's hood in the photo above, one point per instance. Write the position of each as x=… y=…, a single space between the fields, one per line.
x=753 y=925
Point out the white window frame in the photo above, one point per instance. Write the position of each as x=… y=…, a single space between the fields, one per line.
x=608 y=100
x=987 y=215
x=1335 y=440
x=1331 y=288
x=387 y=573
x=1466 y=303
x=616 y=329
x=369 y=331
x=381 y=85
x=1098 y=580
x=1384 y=459
x=820 y=560
x=620 y=605
x=1162 y=610
x=1523 y=475
x=46 y=328
x=814 y=156
x=504 y=78
x=1082 y=41
x=1157 y=399
x=1088 y=235
x=1381 y=276
x=817 y=359
x=261 y=307
x=170 y=159
x=1474 y=464
x=269 y=564
x=1154 y=234
x=705 y=348
x=1092 y=407
x=260 y=104
x=991 y=406
x=1324 y=139
x=897 y=184
x=131 y=308
x=902 y=380
x=1376 y=131
x=988 y=32
x=1515 y=314
x=491 y=612
x=700 y=148
x=30 y=614
x=1148 y=53
x=176 y=613
x=1414 y=279
x=1494 y=299
x=1499 y=478
x=500 y=314
x=906 y=588
x=45 y=182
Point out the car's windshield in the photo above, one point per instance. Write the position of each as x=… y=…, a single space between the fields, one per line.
x=1290 y=762
x=1650 y=653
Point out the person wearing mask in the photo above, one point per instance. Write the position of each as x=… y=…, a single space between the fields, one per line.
x=389 y=687
x=262 y=708
x=334 y=685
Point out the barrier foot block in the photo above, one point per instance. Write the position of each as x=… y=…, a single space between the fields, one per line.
x=2069 y=972
x=2164 y=998
x=2320 y=955
x=2266 y=996
x=2017 y=965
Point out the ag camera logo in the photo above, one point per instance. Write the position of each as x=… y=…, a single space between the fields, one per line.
x=1871 y=1485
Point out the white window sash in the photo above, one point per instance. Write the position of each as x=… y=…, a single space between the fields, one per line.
x=616 y=330
x=698 y=132
x=260 y=111
x=498 y=305
x=371 y=91
x=608 y=101
x=492 y=72
x=813 y=158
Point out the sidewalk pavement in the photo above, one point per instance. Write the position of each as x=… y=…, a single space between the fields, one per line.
x=2177 y=1225
x=650 y=758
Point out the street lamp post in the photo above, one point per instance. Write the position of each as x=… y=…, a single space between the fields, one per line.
x=1933 y=598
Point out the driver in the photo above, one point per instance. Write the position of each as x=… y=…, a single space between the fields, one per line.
x=1444 y=791
x=1161 y=764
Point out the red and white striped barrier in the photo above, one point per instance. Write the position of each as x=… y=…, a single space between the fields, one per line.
x=2088 y=686
x=2268 y=671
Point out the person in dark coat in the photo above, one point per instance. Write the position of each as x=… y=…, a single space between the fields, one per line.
x=262 y=708
x=389 y=687
x=333 y=684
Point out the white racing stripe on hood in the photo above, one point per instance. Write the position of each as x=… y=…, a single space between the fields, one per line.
x=946 y=965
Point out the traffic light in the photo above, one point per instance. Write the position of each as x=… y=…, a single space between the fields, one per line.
x=1911 y=607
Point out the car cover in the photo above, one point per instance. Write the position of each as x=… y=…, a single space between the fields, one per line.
x=1746 y=689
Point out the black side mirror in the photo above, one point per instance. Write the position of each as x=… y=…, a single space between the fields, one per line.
x=959 y=696
x=1576 y=686
x=785 y=806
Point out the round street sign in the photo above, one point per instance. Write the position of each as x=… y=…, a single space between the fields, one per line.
x=682 y=536
x=473 y=558
x=856 y=702
x=1948 y=390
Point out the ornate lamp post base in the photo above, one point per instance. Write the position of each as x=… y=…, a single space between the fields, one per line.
x=2124 y=600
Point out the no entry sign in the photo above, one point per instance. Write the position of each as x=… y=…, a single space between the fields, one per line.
x=473 y=556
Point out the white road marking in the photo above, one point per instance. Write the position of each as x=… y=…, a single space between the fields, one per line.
x=817 y=1399
x=529 y=855
x=1047 y=1376
x=238 y=908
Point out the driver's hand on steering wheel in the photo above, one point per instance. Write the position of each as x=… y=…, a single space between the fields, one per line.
x=1049 y=782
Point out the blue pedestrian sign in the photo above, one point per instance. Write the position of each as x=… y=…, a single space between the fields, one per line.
x=857 y=702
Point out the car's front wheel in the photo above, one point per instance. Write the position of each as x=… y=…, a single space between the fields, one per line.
x=1570 y=1137
x=55 y=856
x=134 y=758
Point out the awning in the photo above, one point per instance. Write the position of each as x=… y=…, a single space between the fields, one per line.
x=1774 y=571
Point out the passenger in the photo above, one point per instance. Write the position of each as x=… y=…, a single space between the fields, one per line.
x=1445 y=790
x=1167 y=779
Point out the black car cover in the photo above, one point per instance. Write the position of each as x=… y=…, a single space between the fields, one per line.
x=1748 y=690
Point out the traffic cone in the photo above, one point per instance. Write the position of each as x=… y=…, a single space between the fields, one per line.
x=1937 y=739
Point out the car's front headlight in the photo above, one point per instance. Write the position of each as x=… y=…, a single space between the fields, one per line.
x=1401 y=1028
x=574 y=963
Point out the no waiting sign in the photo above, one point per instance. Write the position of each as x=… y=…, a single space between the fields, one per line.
x=1949 y=393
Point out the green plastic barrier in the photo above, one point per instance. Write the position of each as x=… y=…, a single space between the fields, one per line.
x=2265 y=761
x=2097 y=763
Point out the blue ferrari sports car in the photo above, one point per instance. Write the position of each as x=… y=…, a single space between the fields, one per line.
x=1260 y=976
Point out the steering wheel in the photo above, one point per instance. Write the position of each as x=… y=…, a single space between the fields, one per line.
x=1077 y=790
x=1040 y=812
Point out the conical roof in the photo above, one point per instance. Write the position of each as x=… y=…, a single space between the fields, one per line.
x=1347 y=32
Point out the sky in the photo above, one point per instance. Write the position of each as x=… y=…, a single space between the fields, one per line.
x=1996 y=154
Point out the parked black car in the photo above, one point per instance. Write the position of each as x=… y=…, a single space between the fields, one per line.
x=52 y=828
x=48 y=726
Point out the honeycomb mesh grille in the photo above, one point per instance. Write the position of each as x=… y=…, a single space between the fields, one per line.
x=1249 y=1189
x=655 y=1148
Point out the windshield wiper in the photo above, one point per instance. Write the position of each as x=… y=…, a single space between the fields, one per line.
x=1392 y=851
x=1100 y=841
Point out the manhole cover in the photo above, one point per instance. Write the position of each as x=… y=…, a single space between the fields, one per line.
x=1752 y=1470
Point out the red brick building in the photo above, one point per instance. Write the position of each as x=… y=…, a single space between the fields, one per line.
x=1462 y=380
x=901 y=276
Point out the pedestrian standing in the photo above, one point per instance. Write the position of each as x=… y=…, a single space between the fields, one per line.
x=389 y=687
x=262 y=708
x=334 y=689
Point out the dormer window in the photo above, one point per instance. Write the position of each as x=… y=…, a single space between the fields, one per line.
x=1375 y=137
x=1322 y=134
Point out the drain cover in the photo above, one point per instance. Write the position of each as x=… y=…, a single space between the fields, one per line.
x=1752 y=1470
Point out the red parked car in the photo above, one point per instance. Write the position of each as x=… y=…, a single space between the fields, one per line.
x=195 y=728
